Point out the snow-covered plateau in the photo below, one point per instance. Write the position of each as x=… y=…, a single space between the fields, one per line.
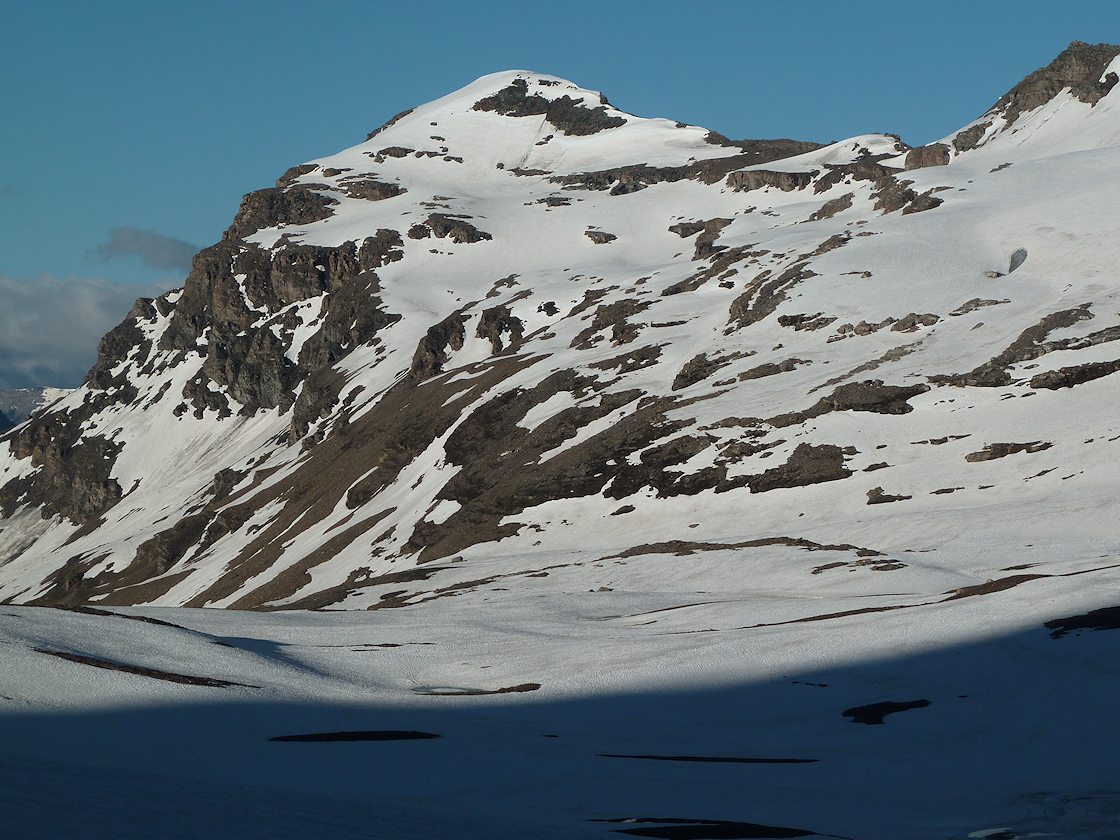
x=565 y=473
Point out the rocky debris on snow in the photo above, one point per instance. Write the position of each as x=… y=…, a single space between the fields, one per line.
x=567 y=114
x=976 y=303
x=1073 y=375
x=441 y=226
x=369 y=189
x=992 y=451
x=832 y=207
x=876 y=496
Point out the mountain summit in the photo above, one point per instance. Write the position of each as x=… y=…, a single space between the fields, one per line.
x=518 y=335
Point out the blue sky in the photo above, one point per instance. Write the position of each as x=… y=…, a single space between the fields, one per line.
x=130 y=130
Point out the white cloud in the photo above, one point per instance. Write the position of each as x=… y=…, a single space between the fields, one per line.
x=50 y=326
x=154 y=249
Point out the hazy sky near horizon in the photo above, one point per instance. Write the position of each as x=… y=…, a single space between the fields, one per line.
x=132 y=129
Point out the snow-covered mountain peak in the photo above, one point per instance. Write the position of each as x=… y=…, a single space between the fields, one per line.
x=519 y=328
x=774 y=484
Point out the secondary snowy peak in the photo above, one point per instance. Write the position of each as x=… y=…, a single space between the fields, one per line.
x=518 y=329
x=1062 y=107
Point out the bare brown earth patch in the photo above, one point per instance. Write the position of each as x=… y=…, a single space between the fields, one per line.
x=152 y=673
x=477 y=692
x=403 y=423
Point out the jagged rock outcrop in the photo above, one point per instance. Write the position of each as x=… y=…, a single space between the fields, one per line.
x=565 y=113
x=1080 y=67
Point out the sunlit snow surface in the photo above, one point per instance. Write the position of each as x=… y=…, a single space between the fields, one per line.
x=640 y=631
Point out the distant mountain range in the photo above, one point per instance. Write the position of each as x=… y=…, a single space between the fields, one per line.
x=17 y=404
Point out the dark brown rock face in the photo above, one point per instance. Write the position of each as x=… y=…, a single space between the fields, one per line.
x=970 y=137
x=871 y=395
x=935 y=154
x=294 y=173
x=1001 y=450
x=756 y=179
x=623 y=180
x=119 y=343
x=73 y=478
x=807 y=464
x=831 y=207
x=392 y=121
x=498 y=325
x=876 y=496
x=229 y=287
x=765 y=294
x=568 y=115
x=1079 y=67
x=1072 y=375
x=764 y=151
x=696 y=370
x=296 y=205
x=442 y=226
x=431 y=352
x=380 y=249
x=370 y=189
